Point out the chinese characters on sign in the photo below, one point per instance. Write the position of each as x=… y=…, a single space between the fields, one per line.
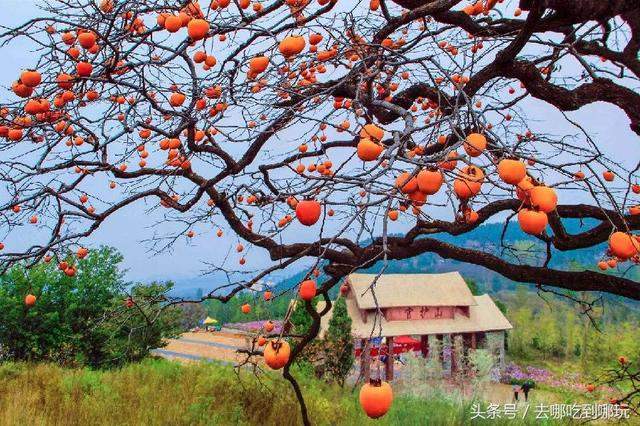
x=550 y=411
x=419 y=313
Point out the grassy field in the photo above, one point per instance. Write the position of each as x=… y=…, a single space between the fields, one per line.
x=161 y=392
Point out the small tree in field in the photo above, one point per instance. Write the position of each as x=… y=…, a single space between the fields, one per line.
x=192 y=315
x=144 y=326
x=310 y=358
x=300 y=320
x=339 y=343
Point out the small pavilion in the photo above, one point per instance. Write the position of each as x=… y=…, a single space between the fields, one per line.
x=413 y=307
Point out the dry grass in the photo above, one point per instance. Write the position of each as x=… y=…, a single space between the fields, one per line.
x=150 y=393
x=161 y=392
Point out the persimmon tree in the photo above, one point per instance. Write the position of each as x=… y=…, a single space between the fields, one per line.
x=345 y=132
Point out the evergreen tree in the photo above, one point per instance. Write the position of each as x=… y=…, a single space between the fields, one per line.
x=339 y=343
x=300 y=319
x=473 y=286
x=309 y=360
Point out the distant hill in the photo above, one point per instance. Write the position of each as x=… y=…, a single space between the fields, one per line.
x=486 y=237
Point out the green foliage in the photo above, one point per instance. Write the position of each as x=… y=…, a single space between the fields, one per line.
x=473 y=286
x=417 y=374
x=300 y=318
x=482 y=362
x=554 y=331
x=134 y=332
x=260 y=310
x=332 y=356
x=338 y=343
x=310 y=359
x=192 y=315
x=80 y=320
x=501 y=305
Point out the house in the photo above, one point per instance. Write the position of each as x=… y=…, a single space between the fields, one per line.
x=406 y=309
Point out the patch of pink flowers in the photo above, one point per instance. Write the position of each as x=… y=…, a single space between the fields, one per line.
x=572 y=381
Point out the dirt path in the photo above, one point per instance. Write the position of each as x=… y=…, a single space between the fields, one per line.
x=225 y=337
x=215 y=346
